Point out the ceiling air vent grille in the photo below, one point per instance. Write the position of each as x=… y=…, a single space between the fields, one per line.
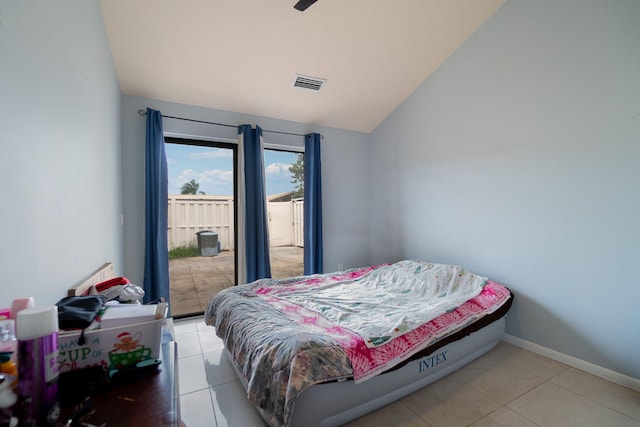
x=309 y=83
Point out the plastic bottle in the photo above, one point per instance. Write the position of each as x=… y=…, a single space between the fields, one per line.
x=8 y=372
x=7 y=400
x=37 y=331
x=8 y=347
x=20 y=304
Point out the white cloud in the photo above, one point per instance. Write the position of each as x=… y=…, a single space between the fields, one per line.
x=278 y=169
x=218 y=175
x=213 y=176
x=212 y=182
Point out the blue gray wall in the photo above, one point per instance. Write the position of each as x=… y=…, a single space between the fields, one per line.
x=345 y=163
x=60 y=145
x=519 y=159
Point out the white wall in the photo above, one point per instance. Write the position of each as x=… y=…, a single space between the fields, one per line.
x=60 y=148
x=345 y=160
x=519 y=159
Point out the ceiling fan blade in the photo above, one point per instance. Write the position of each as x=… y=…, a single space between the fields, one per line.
x=302 y=5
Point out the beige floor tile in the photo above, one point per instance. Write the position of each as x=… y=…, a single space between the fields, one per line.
x=572 y=398
x=503 y=417
x=209 y=341
x=218 y=367
x=552 y=405
x=196 y=409
x=201 y=325
x=192 y=374
x=506 y=354
x=450 y=402
x=502 y=383
x=396 y=414
x=184 y=326
x=232 y=408
x=611 y=395
x=188 y=344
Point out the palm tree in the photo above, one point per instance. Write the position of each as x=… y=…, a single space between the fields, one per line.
x=191 y=187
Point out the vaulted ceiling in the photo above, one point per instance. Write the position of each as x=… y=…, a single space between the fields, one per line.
x=243 y=55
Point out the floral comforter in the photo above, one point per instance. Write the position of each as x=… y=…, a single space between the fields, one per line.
x=286 y=335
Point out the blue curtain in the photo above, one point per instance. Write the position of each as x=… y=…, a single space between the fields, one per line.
x=312 y=205
x=156 y=262
x=258 y=264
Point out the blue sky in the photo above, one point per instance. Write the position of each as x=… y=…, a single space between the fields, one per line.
x=212 y=168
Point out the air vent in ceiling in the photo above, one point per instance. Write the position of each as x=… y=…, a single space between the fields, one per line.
x=310 y=83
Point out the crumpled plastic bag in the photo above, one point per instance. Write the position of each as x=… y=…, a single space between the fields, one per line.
x=124 y=293
x=130 y=293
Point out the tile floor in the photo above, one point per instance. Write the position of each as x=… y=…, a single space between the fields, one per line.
x=508 y=386
x=193 y=281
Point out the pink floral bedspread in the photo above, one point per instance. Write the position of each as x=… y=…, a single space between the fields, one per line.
x=282 y=348
x=390 y=300
x=369 y=361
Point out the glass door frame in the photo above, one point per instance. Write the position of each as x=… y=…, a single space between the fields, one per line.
x=234 y=148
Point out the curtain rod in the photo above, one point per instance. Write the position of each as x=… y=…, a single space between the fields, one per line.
x=143 y=112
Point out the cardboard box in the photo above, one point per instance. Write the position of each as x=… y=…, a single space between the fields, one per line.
x=115 y=347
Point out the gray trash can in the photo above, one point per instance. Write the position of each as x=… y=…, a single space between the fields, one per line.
x=199 y=238
x=208 y=243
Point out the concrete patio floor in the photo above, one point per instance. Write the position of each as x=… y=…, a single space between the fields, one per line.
x=193 y=281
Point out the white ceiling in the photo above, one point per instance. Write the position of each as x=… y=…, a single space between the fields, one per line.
x=243 y=55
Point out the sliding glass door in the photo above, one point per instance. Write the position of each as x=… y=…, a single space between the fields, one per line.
x=284 y=177
x=201 y=222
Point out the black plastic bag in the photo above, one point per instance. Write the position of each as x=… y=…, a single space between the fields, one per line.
x=79 y=312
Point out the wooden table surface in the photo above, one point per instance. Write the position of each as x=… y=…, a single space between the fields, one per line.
x=153 y=400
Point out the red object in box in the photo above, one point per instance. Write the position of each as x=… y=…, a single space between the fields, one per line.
x=102 y=286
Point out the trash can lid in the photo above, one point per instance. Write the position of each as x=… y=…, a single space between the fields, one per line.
x=207 y=233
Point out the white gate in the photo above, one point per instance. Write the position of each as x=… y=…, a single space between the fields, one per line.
x=298 y=223
x=280 y=223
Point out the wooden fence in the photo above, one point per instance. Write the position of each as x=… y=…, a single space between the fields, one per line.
x=189 y=214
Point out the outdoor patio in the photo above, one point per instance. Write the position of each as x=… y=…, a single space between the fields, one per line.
x=193 y=281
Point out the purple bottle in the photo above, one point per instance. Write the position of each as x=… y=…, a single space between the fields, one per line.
x=37 y=332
